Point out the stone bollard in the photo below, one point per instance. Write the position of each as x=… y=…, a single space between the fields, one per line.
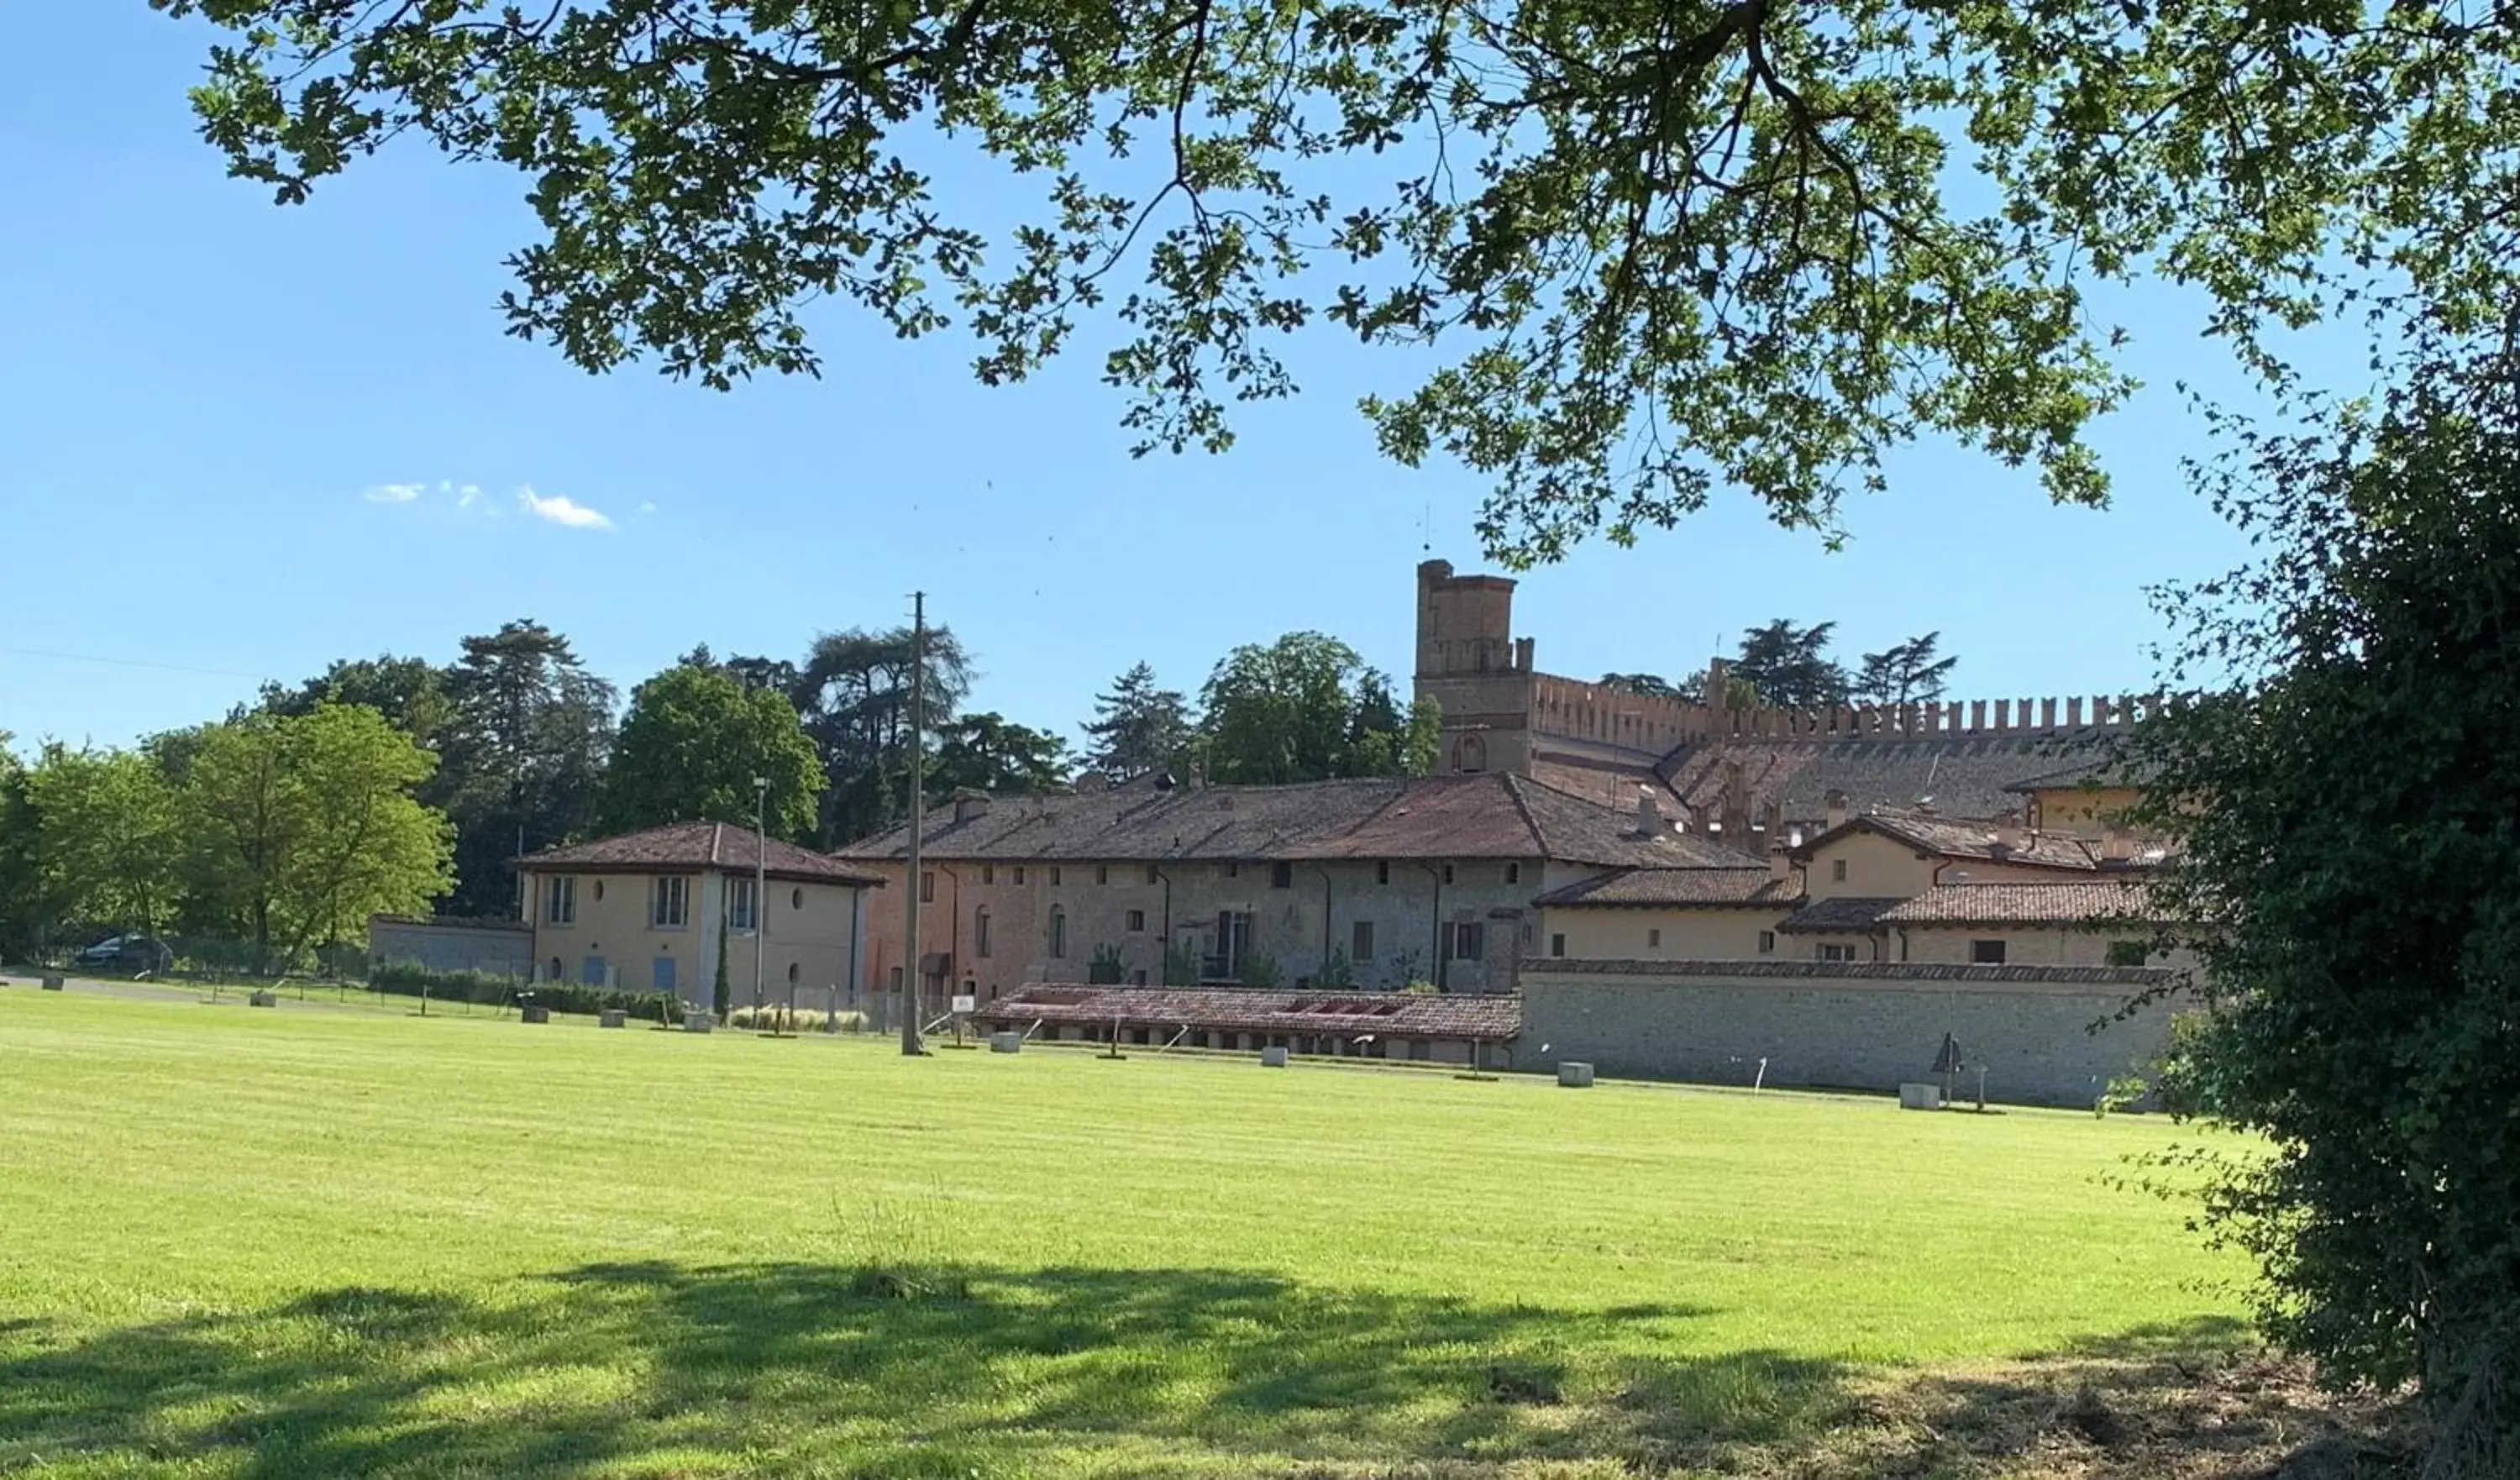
x=697 y=1021
x=534 y=1012
x=1006 y=1043
x=260 y=998
x=1575 y=1076
x=613 y=1017
x=1272 y=1058
x=52 y=984
x=1920 y=1096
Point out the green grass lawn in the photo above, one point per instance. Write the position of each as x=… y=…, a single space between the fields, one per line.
x=319 y=1241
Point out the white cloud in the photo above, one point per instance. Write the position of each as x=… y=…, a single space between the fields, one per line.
x=393 y=493
x=468 y=496
x=560 y=509
x=646 y=509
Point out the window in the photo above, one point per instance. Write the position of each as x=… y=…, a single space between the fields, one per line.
x=1557 y=943
x=896 y=978
x=988 y=874
x=980 y=933
x=928 y=886
x=1448 y=873
x=1057 y=934
x=1282 y=875
x=1767 y=942
x=557 y=970
x=792 y=973
x=598 y=891
x=1054 y=875
x=1653 y=940
x=1019 y=875
x=1102 y=874
x=1833 y=952
x=738 y=905
x=1138 y=978
x=1467 y=940
x=1985 y=953
x=1530 y=933
x=1837 y=870
x=673 y=901
x=560 y=902
x=1361 y=941
x=1233 y=870
x=2127 y=952
x=1382 y=872
x=1151 y=874
x=1513 y=873
x=1137 y=922
x=796 y=899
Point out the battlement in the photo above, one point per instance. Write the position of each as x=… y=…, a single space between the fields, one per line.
x=1659 y=724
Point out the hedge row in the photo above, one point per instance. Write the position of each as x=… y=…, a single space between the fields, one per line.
x=492 y=990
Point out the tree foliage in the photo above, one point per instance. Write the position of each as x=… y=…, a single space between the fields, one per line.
x=690 y=746
x=300 y=826
x=990 y=752
x=106 y=836
x=522 y=754
x=1654 y=249
x=24 y=909
x=1789 y=666
x=1306 y=708
x=2345 y=788
x=1138 y=728
x=854 y=693
x=1911 y=671
x=1649 y=683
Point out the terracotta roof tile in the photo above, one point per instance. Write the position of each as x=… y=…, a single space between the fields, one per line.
x=698 y=845
x=1960 y=838
x=1486 y=816
x=1343 y=1014
x=2059 y=904
x=1968 y=774
x=1679 y=888
x=1853 y=914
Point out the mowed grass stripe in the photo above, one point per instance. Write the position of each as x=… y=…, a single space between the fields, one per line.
x=369 y=1242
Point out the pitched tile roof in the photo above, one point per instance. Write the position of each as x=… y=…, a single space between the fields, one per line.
x=1970 y=774
x=1848 y=913
x=2059 y=904
x=1961 y=839
x=1679 y=888
x=1494 y=815
x=1462 y=1016
x=1860 y=970
x=698 y=845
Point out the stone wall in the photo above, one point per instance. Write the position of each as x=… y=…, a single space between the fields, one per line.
x=498 y=947
x=1844 y=1026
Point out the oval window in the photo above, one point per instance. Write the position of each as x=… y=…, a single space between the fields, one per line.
x=796 y=899
x=598 y=889
x=792 y=973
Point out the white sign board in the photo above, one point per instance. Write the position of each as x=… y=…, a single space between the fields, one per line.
x=966 y=1004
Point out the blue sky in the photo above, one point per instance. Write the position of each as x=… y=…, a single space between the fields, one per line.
x=236 y=439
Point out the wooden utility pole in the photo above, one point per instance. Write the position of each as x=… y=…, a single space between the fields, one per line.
x=911 y=880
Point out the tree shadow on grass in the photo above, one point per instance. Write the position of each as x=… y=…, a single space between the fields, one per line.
x=668 y=1368
x=663 y=1368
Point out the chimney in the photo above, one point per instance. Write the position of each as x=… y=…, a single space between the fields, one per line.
x=1780 y=864
x=2115 y=846
x=1090 y=781
x=1648 y=814
x=2007 y=832
x=1718 y=678
x=969 y=804
x=1834 y=809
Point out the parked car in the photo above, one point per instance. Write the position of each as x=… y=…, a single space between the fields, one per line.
x=128 y=952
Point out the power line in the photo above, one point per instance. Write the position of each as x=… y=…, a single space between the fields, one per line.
x=131 y=662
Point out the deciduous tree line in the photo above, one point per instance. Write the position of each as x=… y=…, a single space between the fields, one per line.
x=399 y=786
x=1788 y=666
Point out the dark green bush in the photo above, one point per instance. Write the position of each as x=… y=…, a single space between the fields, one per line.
x=490 y=989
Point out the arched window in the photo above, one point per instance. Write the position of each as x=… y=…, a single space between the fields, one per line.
x=980 y=933
x=796 y=899
x=792 y=973
x=555 y=971
x=1057 y=933
x=1469 y=754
